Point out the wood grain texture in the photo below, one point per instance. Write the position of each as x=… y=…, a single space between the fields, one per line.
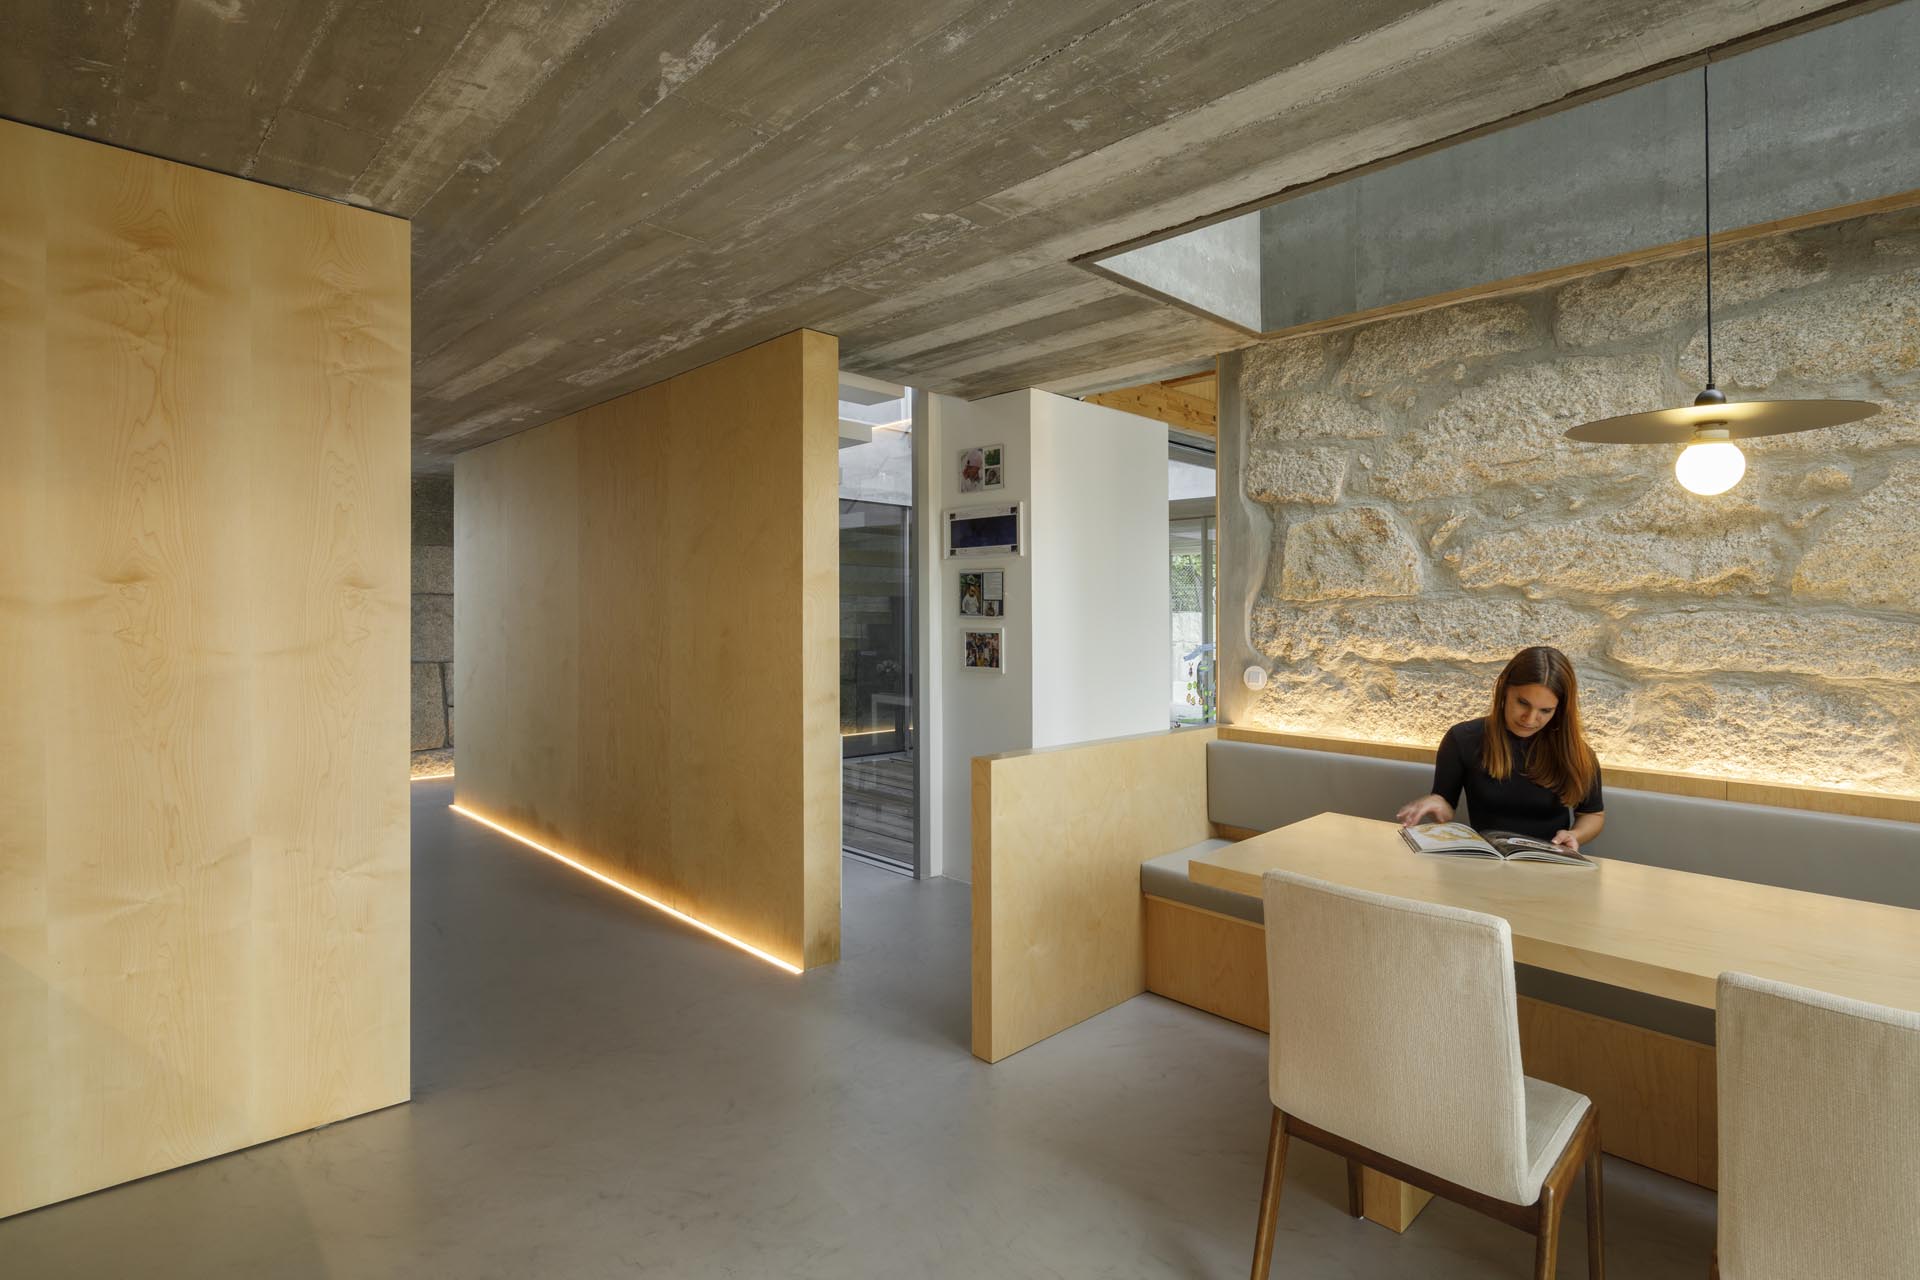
x=1058 y=838
x=204 y=917
x=1204 y=385
x=1858 y=804
x=639 y=581
x=1175 y=405
x=1645 y=1085
x=1667 y=933
x=1707 y=1108
x=1389 y=1202
x=1853 y=804
x=1207 y=960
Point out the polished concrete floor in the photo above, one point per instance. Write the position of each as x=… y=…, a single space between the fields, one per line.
x=602 y=1092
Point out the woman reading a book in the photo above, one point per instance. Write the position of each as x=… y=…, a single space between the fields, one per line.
x=1526 y=766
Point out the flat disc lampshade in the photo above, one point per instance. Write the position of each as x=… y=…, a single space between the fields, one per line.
x=1742 y=419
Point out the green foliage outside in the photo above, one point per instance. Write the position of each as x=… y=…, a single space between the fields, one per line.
x=1186 y=583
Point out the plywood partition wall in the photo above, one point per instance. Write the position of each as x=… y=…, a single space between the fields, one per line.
x=646 y=629
x=1059 y=834
x=203 y=665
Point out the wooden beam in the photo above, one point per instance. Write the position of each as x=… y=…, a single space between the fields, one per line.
x=1205 y=385
x=1176 y=405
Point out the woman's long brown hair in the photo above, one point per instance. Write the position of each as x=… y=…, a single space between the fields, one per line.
x=1561 y=761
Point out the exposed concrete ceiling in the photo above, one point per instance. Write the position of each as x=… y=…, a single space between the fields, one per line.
x=607 y=192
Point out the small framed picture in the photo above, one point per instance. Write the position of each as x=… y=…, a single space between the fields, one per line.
x=983 y=593
x=983 y=651
x=980 y=469
x=985 y=531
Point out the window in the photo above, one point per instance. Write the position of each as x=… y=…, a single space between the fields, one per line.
x=1192 y=582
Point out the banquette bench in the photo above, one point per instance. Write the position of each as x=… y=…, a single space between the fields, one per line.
x=1647 y=1056
x=1064 y=838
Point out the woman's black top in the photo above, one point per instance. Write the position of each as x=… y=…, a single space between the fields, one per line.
x=1518 y=803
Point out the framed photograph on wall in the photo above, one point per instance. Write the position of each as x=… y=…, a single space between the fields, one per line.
x=983 y=651
x=985 y=531
x=981 y=469
x=983 y=593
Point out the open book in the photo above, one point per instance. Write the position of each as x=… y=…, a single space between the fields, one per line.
x=1461 y=840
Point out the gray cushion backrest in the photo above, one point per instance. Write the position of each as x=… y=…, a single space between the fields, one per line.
x=1871 y=859
x=1252 y=785
x=1260 y=787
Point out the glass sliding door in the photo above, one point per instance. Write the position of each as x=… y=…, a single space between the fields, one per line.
x=878 y=808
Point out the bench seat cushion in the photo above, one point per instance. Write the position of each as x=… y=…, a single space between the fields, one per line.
x=1166 y=877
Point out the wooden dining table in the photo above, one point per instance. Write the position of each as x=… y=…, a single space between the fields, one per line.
x=1651 y=929
x=1645 y=928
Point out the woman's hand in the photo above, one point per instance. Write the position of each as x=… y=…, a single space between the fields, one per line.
x=1425 y=809
x=1567 y=840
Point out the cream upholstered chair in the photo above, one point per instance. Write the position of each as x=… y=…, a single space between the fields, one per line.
x=1819 y=1135
x=1395 y=1042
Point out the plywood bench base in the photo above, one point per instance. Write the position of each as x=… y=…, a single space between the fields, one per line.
x=1207 y=960
x=1654 y=1092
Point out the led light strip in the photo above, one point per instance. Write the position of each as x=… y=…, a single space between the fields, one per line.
x=655 y=903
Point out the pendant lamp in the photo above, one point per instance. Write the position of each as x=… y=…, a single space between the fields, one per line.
x=1711 y=463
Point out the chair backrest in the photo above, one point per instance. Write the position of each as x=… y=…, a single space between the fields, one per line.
x=1819 y=1135
x=1394 y=1026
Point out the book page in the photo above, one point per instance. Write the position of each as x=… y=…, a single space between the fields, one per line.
x=1447 y=837
x=1518 y=848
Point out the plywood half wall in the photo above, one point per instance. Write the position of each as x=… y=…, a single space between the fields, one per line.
x=203 y=665
x=647 y=622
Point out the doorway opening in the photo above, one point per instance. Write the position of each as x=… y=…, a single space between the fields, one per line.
x=879 y=795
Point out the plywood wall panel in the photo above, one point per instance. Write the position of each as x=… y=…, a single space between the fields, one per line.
x=1058 y=838
x=733 y=642
x=647 y=627
x=625 y=677
x=203 y=832
x=820 y=777
x=330 y=492
x=26 y=994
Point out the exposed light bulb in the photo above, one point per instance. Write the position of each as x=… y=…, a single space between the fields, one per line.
x=1711 y=464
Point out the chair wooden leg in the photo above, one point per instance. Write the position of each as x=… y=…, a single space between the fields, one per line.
x=1270 y=1196
x=1356 y=1188
x=1596 y=1216
x=1546 y=1252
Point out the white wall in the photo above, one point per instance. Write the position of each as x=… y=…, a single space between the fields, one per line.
x=1100 y=584
x=1086 y=629
x=977 y=713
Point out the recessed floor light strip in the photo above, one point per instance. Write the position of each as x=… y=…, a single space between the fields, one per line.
x=609 y=881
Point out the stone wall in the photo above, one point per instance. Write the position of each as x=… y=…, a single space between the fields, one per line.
x=432 y=626
x=1403 y=513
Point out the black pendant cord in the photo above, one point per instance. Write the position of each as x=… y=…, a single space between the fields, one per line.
x=1706 y=155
